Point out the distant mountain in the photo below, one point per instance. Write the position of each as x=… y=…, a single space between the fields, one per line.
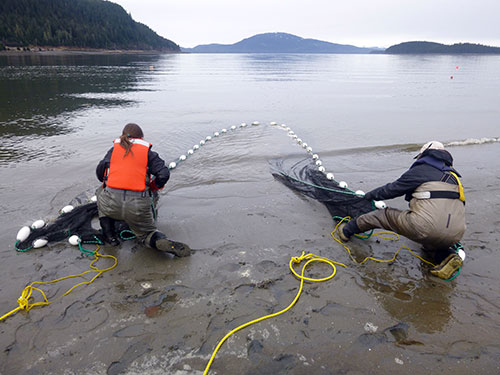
x=278 y=43
x=431 y=47
x=75 y=23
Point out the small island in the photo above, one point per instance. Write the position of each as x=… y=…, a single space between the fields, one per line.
x=438 y=48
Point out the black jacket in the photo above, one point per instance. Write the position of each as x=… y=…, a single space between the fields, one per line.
x=433 y=165
x=156 y=167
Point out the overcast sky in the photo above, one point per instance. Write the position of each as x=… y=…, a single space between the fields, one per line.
x=363 y=23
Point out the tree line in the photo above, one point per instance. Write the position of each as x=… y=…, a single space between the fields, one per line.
x=75 y=23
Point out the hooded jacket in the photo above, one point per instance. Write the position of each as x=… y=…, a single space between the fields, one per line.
x=435 y=221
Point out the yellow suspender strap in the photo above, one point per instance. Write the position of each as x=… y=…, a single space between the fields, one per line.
x=460 y=187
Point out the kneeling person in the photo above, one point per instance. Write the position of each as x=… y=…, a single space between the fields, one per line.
x=436 y=214
x=129 y=194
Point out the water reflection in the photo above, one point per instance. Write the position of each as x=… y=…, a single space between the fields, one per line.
x=38 y=92
x=409 y=294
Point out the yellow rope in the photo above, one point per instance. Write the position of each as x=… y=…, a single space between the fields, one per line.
x=393 y=237
x=294 y=260
x=24 y=300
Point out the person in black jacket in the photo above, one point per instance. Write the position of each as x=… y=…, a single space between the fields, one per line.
x=132 y=174
x=436 y=214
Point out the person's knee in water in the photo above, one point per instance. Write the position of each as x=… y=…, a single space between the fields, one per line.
x=436 y=211
x=132 y=174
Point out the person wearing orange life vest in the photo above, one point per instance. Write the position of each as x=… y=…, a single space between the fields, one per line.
x=129 y=194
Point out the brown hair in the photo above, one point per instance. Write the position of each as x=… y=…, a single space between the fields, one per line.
x=130 y=131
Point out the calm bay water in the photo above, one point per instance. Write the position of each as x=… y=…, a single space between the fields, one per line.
x=365 y=115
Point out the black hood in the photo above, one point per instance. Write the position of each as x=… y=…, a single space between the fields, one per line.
x=442 y=155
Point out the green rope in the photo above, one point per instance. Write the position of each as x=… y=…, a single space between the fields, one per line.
x=455 y=275
x=22 y=250
x=83 y=250
x=126 y=231
x=345 y=191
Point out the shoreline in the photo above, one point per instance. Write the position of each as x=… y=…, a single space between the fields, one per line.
x=55 y=51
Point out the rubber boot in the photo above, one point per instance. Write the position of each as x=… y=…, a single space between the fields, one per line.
x=160 y=242
x=447 y=267
x=108 y=230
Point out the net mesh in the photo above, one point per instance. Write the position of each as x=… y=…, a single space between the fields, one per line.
x=304 y=177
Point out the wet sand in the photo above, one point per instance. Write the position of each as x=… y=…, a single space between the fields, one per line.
x=156 y=314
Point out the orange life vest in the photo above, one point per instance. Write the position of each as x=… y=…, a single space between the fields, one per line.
x=129 y=172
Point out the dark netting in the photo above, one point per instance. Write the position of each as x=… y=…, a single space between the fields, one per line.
x=76 y=222
x=305 y=178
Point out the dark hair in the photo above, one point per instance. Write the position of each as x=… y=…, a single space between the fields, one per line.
x=130 y=131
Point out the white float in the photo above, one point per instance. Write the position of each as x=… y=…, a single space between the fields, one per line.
x=23 y=233
x=202 y=142
x=67 y=209
x=172 y=165
x=319 y=163
x=190 y=152
x=255 y=123
x=182 y=157
x=208 y=138
x=196 y=147
x=40 y=242
x=315 y=156
x=380 y=205
x=233 y=127
x=223 y=131
x=461 y=254
x=74 y=240
x=309 y=150
x=321 y=169
x=38 y=224
x=216 y=134
x=360 y=193
x=93 y=198
x=343 y=184
x=330 y=176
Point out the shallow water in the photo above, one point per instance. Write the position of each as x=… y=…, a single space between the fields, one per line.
x=364 y=115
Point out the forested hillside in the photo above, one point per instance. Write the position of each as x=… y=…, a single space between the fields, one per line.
x=75 y=23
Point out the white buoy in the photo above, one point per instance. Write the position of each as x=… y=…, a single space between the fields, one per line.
x=315 y=156
x=330 y=176
x=343 y=184
x=309 y=149
x=272 y=123
x=255 y=123
x=299 y=141
x=172 y=165
x=67 y=209
x=380 y=205
x=304 y=144
x=216 y=134
x=23 y=233
x=461 y=254
x=291 y=133
x=190 y=152
x=233 y=127
x=202 y=142
x=74 y=240
x=287 y=129
x=93 y=198
x=182 y=157
x=196 y=147
x=208 y=138
x=321 y=169
x=223 y=131
x=40 y=242
x=360 y=193
x=243 y=124
x=38 y=224
x=294 y=136
x=319 y=163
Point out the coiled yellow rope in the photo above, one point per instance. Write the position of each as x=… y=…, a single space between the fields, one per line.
x=294 y=260
x=24 y=299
